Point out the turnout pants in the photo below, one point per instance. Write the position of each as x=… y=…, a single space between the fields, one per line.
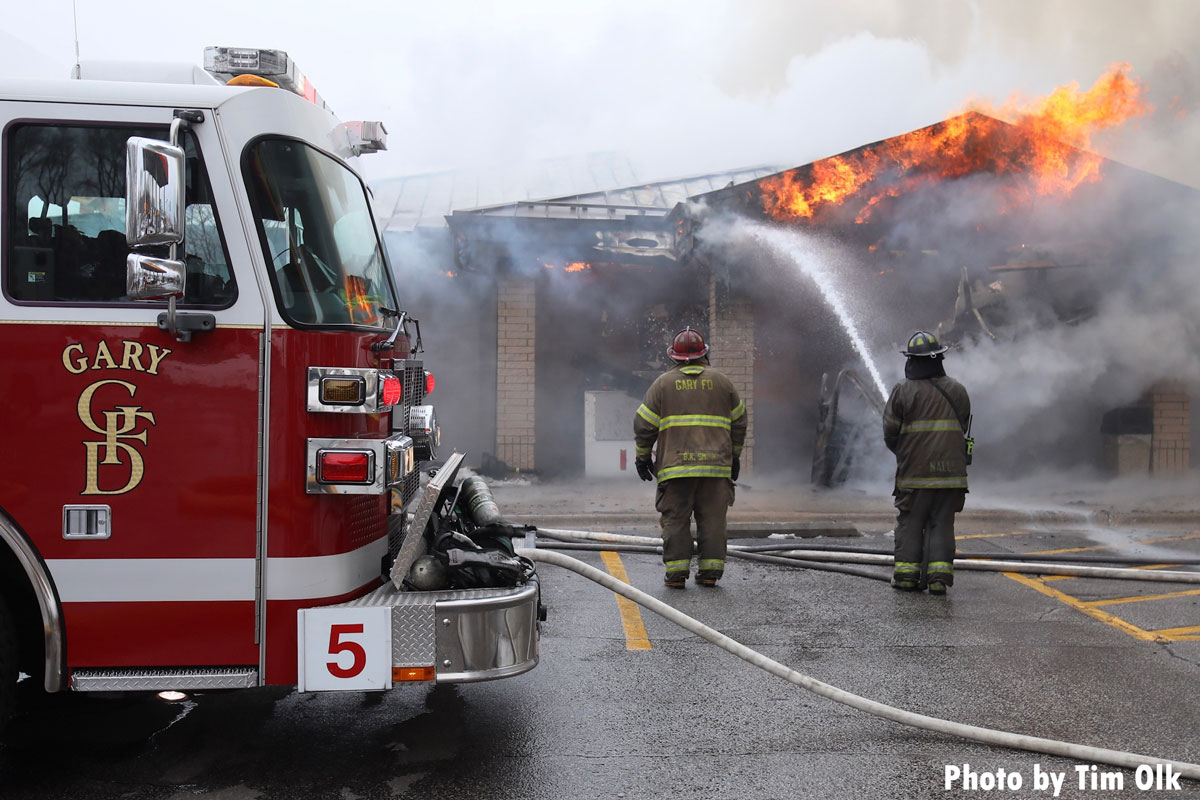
x=925 y=532
x=677 y=500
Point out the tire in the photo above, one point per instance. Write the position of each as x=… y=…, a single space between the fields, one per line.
x=8 y=664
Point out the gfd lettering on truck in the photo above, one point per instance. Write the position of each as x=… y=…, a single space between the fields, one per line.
x=119 y=423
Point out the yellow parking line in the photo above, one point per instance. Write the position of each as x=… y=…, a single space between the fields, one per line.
x=1095 y=613
x=1185 y=537
x=1064 y=550
x=631 y=618
x=1091 y=607
x=1184 y=631
x=1139 y=598
x=991 y=535
x=1193 y=535
x=1074 y=577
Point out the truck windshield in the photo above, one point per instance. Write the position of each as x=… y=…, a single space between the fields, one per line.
x=314 y=221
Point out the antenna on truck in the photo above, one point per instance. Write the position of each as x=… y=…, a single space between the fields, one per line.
x=77 y=73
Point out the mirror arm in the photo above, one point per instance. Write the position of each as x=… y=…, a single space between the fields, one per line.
x=181 y=122
x=390 y=344
x=183 y=324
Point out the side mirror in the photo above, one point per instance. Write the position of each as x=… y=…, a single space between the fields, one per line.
x=149 y=278
x=155 y=206
x=154 y=192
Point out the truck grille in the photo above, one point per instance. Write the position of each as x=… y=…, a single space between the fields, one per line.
x=412 y=373
x=414 y=386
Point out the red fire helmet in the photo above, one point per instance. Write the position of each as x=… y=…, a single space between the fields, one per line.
x=687 y=345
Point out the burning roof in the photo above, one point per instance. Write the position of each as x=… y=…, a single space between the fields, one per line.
x=1029 y=227
x=990 y=173
x=1041 y=151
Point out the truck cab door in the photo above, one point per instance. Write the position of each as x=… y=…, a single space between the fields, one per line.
x=139 y=484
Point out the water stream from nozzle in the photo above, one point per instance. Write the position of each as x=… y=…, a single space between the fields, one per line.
x=792 y=246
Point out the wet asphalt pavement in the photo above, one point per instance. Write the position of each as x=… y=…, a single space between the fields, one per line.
x=684 y=719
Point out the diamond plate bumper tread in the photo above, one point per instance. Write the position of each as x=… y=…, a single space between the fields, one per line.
x=157 y=680
x=414 y=637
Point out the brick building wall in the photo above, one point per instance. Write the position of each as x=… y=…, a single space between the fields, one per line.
x=1171 y=444
x=731 y=337
x=516 y=332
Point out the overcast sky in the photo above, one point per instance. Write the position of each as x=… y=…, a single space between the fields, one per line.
x=677 y=87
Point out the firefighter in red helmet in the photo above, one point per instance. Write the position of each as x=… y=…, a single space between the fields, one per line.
x=694 y=414
x=927 y=423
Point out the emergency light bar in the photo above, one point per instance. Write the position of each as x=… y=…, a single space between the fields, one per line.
x=276 y=66
x=250 y=66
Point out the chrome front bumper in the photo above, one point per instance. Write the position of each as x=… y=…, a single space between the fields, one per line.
x=465 y=634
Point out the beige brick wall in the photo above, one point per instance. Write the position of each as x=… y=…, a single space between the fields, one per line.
x=516 y=333
x=731 y=337
x=1170 y=447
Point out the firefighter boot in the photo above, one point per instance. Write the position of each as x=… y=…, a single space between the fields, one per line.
x=677 y=572
x=941 y=576
x=710 y=571
x=906 y=576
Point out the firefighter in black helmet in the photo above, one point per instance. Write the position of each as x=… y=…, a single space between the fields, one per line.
x=695 y=415
x=926 y=423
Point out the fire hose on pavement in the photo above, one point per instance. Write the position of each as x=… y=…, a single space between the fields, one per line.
x=1080 y=752
x=967 y=563
x=562 y=543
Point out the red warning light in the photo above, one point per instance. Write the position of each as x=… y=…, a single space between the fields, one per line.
x=391 y=391
x=345 y=467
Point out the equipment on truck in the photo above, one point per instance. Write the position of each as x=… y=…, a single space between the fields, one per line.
x=217 y=400
x=465 y=544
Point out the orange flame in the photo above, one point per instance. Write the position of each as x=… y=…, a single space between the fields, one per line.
x=572 y=266
x=1042 y=149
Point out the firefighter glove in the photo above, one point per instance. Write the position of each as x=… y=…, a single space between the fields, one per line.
x=735 y=469
x=645 y=470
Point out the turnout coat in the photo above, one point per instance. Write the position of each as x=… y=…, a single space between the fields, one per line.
x=927 y=433
x=698 y=420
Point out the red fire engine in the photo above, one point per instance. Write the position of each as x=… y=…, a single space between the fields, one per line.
x=214 y=423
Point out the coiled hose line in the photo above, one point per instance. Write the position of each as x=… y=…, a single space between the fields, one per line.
x=1079 y=752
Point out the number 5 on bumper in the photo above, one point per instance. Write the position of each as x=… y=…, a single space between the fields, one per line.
x=346 y=649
